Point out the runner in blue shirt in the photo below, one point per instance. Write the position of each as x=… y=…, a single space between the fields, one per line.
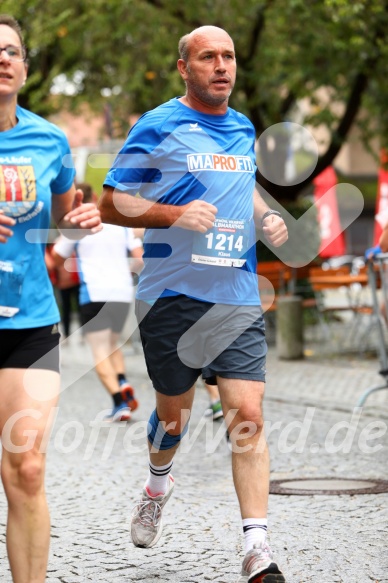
x=35 y=184
x=192 y=162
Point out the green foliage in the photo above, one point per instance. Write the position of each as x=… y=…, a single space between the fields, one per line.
x=124 y=52
x=96 y=176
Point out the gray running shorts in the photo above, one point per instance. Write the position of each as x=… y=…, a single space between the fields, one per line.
x=184 y=338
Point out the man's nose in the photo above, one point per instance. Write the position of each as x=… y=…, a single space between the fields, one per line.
x=220 y=63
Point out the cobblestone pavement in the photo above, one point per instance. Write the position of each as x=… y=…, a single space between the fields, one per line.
x=96 y=470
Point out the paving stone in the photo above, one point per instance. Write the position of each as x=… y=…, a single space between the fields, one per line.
x=96 y=470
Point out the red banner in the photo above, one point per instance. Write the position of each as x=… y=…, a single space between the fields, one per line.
x=381 y=215
x=332 y=237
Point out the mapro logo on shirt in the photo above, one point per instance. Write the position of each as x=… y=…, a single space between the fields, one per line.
x=219 y=162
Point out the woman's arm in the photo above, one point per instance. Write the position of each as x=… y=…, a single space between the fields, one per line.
x=69 y=212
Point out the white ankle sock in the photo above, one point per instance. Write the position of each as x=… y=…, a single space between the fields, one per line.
x=255 y=531
x=157 y=480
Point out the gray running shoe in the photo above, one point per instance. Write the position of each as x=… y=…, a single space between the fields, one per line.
x=146 y=522
x=258 y=566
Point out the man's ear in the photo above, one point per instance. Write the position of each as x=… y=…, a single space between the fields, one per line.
x=182 y=68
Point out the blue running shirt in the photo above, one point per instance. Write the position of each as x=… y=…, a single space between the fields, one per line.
x=31 y=169
x=174 y=155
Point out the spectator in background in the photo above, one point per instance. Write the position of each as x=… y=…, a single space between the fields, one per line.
x=106 y=292
x=382 y=247
x=66 y=281
x=383 y=242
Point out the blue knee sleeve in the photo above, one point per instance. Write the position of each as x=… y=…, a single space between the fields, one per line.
x=158 y=437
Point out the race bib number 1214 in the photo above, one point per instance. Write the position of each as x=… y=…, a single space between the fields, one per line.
x=223 y=245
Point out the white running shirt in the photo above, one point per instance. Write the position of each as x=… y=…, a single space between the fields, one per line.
x=103 y=263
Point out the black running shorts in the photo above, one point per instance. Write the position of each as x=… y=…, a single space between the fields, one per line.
x=97 y=316
x=184 y=338
x=30 y=348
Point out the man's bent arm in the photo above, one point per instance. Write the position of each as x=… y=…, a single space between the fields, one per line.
x=123 y=209
x=260 y=207
x=273 y=226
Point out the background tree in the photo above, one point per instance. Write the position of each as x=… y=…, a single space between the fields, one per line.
x=333 y=53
